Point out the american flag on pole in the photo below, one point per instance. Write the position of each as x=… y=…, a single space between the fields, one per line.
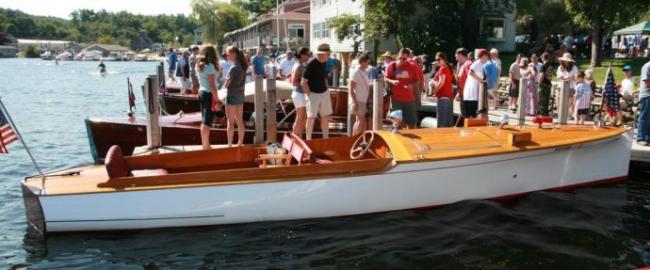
x=7 y=134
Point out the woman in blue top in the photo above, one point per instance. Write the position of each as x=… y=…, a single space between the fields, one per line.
x=235 y=84
x=207 y=69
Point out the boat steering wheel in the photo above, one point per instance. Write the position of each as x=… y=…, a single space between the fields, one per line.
x=361 y=145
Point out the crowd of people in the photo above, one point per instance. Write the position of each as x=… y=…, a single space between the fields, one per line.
x=407 y=77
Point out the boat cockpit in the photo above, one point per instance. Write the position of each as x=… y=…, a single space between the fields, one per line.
x=293 y=158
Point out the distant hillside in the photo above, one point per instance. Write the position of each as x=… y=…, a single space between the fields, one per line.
x=91 y=26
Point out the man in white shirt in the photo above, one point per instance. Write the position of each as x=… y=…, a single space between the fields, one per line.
x=475 y=77
x=287 y=66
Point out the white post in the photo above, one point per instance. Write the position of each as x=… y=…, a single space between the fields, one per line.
x=563 y=103
x=523 y=98
x=154 y=136
x=259 y=109
x=161 y=78
x=482 y=101
x=271 y=129
x=378 y=104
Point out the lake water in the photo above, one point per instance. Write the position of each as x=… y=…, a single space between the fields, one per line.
x=592 y=228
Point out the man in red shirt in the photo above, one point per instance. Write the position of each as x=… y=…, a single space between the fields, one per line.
x=402 y=77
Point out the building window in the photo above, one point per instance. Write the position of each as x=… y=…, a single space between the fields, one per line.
x=296 y=31
x=316 y=27
x=319 y=3
x=494 y=28
x=321 y=30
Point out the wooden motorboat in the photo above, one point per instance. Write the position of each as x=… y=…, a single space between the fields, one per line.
x=373 y=172
x=129 y=133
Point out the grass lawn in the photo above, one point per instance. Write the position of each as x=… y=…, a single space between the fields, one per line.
x=599 y=72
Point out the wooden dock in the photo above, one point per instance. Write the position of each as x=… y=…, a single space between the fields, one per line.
x=639 y=153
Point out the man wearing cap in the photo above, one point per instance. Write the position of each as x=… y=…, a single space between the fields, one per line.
x=643 y=132
x=627 y=88
x=314 y=84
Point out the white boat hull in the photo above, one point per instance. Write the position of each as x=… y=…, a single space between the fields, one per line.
x=406 y=186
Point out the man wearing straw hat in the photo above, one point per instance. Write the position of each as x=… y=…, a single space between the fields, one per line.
x=567 y=71
x=314 y=84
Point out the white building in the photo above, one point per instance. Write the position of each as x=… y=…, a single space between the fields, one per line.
x=498 y=24
x=321 y=11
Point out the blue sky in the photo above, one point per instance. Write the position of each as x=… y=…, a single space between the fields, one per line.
x=62 y=8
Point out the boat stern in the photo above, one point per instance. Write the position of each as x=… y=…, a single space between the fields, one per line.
x=33 y=209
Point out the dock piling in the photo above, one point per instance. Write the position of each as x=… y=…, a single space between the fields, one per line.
x=271 y=129
x=522 y=100
x=351 y=118
x=154 y=133
x=378 y=104
x=161 y=77
x=482 y=101
x=563 y=103
x=259 y=109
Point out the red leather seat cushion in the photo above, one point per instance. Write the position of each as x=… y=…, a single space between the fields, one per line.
x=116 y=166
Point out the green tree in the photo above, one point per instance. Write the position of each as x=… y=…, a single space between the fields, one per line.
x=32 y=52
x=599 y=15
x=4 y=23
x=423 y=25
x=254 y=7
x=347 y=26
x=219 y=17
x=105 y=39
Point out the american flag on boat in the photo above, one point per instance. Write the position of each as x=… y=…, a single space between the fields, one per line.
x=7 y=134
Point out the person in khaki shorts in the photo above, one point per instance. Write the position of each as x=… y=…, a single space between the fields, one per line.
x=314 y=84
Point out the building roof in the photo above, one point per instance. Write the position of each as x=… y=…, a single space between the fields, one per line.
x=42 y=41
x=299 y=16
x=109 y=47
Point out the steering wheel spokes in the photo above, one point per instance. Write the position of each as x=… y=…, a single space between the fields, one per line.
x=361 y=145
